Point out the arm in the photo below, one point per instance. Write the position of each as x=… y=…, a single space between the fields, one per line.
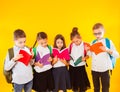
x=54 y=60
x=10 y=63
x=65 y=62
x=112 y=50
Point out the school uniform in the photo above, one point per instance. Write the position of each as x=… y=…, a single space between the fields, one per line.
x=78 y=74
x=101 y=64
x=61 y=76
x=43 y=78
x=21 y=74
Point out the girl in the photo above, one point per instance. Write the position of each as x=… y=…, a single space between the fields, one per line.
x=43 y=79
x=60 y=63
x=78 y=74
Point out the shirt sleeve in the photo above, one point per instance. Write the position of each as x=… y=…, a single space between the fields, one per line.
x=115 y=52
x=9 y=63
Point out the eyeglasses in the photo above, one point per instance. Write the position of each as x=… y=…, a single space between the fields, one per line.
x=99 y=33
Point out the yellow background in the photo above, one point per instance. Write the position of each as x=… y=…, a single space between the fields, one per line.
x=58 y=16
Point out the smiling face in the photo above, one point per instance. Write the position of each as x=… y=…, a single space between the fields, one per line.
x=98 y=33
x=20 y=42
x=43 y=42
x=77 y=40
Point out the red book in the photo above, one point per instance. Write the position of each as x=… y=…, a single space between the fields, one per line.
x=26 y=57
x=96 y=48
x=63 y=54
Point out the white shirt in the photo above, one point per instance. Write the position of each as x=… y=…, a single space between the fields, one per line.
x=101 y=62
x=42 y=51
x=76 y=52
x=21 y=73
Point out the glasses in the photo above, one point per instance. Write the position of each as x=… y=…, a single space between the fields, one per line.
x=99 y=33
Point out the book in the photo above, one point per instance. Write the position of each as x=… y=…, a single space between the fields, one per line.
x=96 y=48
x=43 y=60
x=79 y=60
x=26 y=57
x=63 y=54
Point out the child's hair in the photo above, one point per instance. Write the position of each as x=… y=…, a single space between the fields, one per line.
x=19 y=33
x=74 y=33
x=40 y=35
x=97 y=26
x=59 y=36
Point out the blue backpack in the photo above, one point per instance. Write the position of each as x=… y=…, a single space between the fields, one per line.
x=113 y=59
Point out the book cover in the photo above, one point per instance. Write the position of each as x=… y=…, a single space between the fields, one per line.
x=43 y=60
x=63 y=54
x=26 y=57
x=79 y=60
x=96 y=48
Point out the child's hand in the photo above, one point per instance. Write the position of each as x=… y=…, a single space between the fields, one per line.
x=17 y=57
x=103 y=48
x=87 y=48
x=64 y=61
x=50 y=59
x=55 y=59
x=83 y=59
x=38 y=64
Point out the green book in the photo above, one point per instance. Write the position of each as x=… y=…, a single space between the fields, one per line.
x=79 y=60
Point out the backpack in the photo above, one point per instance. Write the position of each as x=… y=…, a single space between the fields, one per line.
x=49 y=47
x=113 y=59
x=8 y=74
x=85 y=52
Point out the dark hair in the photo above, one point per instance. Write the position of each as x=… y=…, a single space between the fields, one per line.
x=97 y=25
x=40 y=35
x=19 y=33
x=59 y=36
x=74 y=33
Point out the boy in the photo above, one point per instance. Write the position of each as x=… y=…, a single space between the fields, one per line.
x=101 y=63
x=21 y=74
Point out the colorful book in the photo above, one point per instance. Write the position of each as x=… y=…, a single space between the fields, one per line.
x=26 y=57
x=43 y=60
x=63 y=54
x=79 y=60
x=96 y=48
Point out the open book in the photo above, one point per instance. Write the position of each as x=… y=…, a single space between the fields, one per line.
x=43 y=60
x=63 y=54
x=96 y=48
x=26 y=57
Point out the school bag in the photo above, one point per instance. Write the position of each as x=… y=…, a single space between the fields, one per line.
x=113 y=59
x=8 y=74
x=85 y=52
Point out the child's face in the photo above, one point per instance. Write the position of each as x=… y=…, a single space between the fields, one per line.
x=43 y=42
x=59 y=43
x=20 y=42
x=77 y=40
x=98 y=33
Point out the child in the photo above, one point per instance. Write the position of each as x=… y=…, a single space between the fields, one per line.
x=78 y=74
x=101 y=63
x=43 y=79
x=21 y=74
x=60 y=72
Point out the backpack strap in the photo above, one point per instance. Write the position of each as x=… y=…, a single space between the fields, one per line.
x=34 y=50
x=70 y=48
x=11 y=53
x=85 y=52
x=94 y=41
x=50 y=48
x=107 y=42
